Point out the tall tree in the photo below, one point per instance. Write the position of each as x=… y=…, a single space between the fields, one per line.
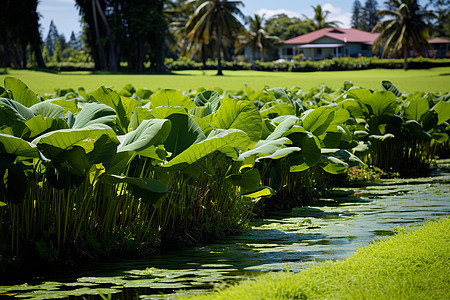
x=52 y=36
x=178 y=14
x=19 y=29
x=131 y=30
x=57 y=54
x=285 y=27
x=91 y=11
x=215 y=19
x=370 y=14
x=441 y=24
x=73 y=42
x=147 y=34
x=357 y=16
x=402 y=29
x=257 y=38
x=62 y=41
x=45 y=54
x=319 y=19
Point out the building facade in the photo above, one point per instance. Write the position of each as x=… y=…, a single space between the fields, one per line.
x=329 y=43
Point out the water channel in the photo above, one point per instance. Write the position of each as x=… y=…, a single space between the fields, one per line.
x=331 y=229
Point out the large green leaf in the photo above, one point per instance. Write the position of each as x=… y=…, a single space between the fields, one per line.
x=148 y=190
x=336 y=131
x=340 y=117
x=48 y=109
x=265 y=148
x=275 y=109
x=284 y=128
x=310 y=154
x=73 y=152
x=344 y=155
x=443 y=110
x=162 y=112
x=93 y=114
x=217 y=140
x=21 y=92
x=206 y=128
x=317 y=120
x=140 y=114
x=142 y=93
x=119 y=162
x=389 y=86
x=124 y=107
x=12 y=111
x=56 y=142
x=149 y=133
x=332 y=164
x=184 y=132
x=415 y=107
x=280 y=153
x=262 y=191
x=416 y=131
x=67 y=105
x=16 y=146
x=208 y=97
x=248 y=181
x=40 y=124
x=4 y=93
x=356 y=109
x=361 y=149
x=379 y=103
x=242 y=115
x=167 y=97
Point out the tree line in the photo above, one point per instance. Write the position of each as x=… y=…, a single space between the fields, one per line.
x=145 y=32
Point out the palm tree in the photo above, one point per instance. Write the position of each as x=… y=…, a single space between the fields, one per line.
x=318 y=22
x=257 y=38
x=214 y=19
x=405 y=30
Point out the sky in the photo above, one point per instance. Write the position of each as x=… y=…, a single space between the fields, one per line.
x=65 y=15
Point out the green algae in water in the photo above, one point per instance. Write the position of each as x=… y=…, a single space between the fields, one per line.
x=301 y=237
x=51 y=294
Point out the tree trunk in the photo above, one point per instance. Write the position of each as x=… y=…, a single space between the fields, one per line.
x=219 y=49
x=405 y=57
x=263 y=53
x=204 y=56
x=101 y=52
x=24 y=55
x=112 y=52
x=36 y=46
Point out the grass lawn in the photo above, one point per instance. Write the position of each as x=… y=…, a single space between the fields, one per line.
x=411 y=265
x=433 y=80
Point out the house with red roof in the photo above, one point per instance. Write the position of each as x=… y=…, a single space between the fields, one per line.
x=328 y=43
x=441 y=47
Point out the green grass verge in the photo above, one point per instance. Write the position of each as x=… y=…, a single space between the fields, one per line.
x=411 y=265
x=432 y=80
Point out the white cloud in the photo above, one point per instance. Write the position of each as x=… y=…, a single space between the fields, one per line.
x=272 y=12
x=336 y=14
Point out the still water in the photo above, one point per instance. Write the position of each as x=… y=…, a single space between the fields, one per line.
x=331 y=229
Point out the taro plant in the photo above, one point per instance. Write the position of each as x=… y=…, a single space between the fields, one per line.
x=141 y=168
x=396 y=129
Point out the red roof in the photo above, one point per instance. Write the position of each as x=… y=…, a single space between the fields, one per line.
x=439 y=41
x=345 y=35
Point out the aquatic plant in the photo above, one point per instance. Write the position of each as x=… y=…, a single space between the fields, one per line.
x=140 y=168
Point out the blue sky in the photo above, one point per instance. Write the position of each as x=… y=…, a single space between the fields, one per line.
x=66 y=18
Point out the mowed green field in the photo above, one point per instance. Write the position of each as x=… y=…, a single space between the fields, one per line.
x=432 y=80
